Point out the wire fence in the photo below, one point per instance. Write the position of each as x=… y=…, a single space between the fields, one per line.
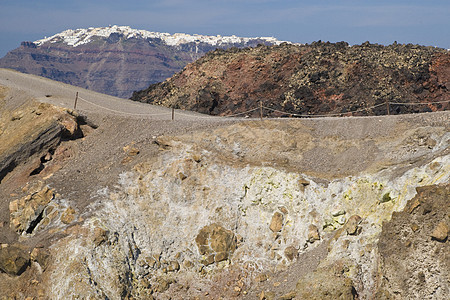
x=260 y=108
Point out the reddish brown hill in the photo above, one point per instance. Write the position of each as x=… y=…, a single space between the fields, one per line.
x=321 y=78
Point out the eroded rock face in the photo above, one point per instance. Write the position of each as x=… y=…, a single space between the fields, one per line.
x=29 y=133
x=162 y=234
x=414 y=264
x=28 y=212
x=38 y=210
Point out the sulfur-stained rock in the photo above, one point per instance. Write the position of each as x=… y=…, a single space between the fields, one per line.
x=27 y=212
x=276 y=224
x=100 y=236
x=14 y=260
x=216 y=243
x=313 y=233
x=386 y=198
x=68 y=216
x=440 y=232
x=290 y=252
x=352 y=225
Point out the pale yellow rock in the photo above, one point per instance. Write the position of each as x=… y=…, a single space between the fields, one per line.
x=440 y=232
x=352 y=225
x=313 y=233
x=68 y=215
x=14 y=206
x=276 y=223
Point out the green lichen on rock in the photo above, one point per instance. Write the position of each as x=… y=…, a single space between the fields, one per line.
x=386 y=198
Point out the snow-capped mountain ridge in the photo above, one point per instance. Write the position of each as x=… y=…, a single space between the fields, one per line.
x=83 y=36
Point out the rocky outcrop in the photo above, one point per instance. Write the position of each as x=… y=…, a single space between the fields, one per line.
x=31 y=132
x=316 y=79
x=239 y=212
x=115 y=60
x=14 y=259
x=413 y=248
x=28 y=212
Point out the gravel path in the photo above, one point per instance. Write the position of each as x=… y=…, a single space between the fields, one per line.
x=60 y=94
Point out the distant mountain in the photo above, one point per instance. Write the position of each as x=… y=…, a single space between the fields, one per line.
x=117 y=60
x=315 y=79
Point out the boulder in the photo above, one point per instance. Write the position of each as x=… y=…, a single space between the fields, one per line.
x=313 y=233
x=277 y=222
x=215 y=243
x=290 y=252
x=440 y=232
x=14 y=260
x=352 y=225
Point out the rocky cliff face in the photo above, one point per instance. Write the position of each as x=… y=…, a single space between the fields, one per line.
x=209 y=219
x=316 y=79
x=116 y=60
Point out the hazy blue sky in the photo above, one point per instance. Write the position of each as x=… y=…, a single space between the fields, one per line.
x=425 y=22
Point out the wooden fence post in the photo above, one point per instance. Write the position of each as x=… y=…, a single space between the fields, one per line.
x=173 y=113
x=388 y=108
x=75 y=104
x=260 y=110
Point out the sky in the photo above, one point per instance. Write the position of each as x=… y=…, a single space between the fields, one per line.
x=424 y=22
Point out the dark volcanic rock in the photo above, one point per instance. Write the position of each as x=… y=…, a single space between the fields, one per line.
x=116 y=60
x=321 y=78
